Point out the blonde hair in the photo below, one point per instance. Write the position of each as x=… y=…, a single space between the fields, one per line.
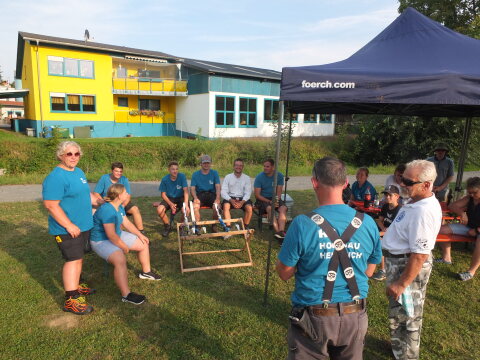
x=64 y=145
x=114 y=191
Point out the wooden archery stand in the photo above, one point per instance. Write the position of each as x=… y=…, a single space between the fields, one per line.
x=247 y=234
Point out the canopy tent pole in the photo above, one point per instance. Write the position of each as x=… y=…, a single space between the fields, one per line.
x=272 y=213
x=463 y=154
x=288 y=155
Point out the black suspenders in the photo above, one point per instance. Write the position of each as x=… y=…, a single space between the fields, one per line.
x=340 y=255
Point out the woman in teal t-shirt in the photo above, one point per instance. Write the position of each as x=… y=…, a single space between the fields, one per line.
x=111 y=243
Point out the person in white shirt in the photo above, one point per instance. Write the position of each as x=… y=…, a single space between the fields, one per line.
x=407 y=247
x=395 y=179
x=236 y=192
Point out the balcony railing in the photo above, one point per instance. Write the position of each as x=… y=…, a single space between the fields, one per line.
x=124 y=116
x=149 y=86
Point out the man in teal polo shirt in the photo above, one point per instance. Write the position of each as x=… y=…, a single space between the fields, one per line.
x=340 y=318
x=205 y=188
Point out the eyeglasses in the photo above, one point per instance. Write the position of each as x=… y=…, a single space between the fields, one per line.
x=69 y=154
x=409 y=182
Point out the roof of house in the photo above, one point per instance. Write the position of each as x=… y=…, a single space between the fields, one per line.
x=208 y=66
x=239 y=70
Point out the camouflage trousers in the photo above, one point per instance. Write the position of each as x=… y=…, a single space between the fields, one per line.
x=404 y=330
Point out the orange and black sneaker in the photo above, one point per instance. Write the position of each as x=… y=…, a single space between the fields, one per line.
x=83 y=289
x=77 y=305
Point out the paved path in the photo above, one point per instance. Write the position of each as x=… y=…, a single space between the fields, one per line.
x=19 y=193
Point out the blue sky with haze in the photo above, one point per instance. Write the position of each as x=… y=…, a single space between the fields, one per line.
x=263 y=33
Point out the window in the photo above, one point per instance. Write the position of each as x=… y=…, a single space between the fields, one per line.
x=72 y=103
x=224 y=111
x=150 y=104
x=71 y=67
x=326 y=118
x=122 y=102
x=86 y=69
x=60 y=66
x=271 y=110
x=58 y=102
x=88 y=102
x=121 y=72
x=309 y=118
x=149 y=73
x=248 y=112
x=55 y=65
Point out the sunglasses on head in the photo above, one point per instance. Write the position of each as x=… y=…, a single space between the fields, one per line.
x=409 y=182
x=69 y=154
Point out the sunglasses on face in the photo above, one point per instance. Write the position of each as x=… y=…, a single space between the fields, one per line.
x=409 y=182
x=69 y=154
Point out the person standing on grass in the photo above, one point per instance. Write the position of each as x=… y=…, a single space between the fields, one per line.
x=236 y=192
x=66 y=196
x=331 y=252
x=116 y=177
x=174 y=192
x=112 y=244
x=387 y=215
x=468 y=208
x=408 y=245
x=444 y=167
x=205 y=188
x=263 y=188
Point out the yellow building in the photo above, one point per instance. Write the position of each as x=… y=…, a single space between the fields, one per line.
x=97 y=89
x=101 y=90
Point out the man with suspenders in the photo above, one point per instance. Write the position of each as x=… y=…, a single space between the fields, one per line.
x=331 y=252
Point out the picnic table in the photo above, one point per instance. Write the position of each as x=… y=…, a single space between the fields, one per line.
x=374 y=211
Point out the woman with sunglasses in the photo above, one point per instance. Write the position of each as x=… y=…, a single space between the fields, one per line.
x=468 y=208
x=66 y=196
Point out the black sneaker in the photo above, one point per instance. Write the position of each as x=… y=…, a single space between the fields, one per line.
x=166 y=231
x=280 y=235
x=149 y=276
x=133 y=298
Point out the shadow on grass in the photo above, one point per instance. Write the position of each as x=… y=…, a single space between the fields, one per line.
x=171 y=335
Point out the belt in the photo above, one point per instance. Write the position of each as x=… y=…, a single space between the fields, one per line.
x=388 y=254
x=338 y=308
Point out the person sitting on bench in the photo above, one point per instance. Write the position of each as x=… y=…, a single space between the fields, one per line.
x=468 y=208
x=116 y=177
x=263 y=187
x=236 y=192
x=174 y=192
x=205 y=188
x=112 y=244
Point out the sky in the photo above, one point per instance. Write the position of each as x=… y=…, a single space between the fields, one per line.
x=267 y=34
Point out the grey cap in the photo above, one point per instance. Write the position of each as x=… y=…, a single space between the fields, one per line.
x=205 y=159
x=392 y=189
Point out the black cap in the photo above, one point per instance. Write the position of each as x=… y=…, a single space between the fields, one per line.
x=392 y=189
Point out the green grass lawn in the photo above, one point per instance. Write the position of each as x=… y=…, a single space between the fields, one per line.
x=216 y=314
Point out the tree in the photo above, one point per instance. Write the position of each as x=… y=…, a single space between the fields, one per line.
x=459 y=15
x=396 y=139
